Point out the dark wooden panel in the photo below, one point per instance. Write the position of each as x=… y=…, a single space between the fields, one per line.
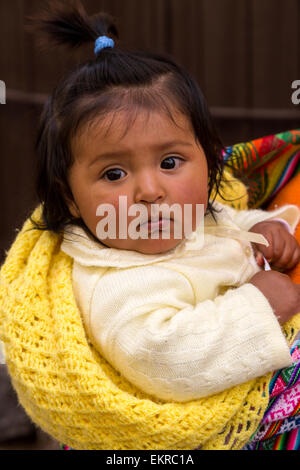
x=17 y=130
x=227 y=40
x=275 y=52
x=141 y=24
x=187 y=35
x=11 y=43
x=234 y=130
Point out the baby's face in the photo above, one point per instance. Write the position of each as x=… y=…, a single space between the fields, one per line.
x=156 y=162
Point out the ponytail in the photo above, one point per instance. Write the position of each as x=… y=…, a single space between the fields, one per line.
x=69 y=24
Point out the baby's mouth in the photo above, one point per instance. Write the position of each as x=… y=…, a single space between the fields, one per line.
x=156 y=223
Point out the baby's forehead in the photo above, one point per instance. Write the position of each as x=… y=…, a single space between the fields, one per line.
x=117 y=126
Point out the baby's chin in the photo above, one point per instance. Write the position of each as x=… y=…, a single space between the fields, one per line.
x=146 y=247
x=158 y=249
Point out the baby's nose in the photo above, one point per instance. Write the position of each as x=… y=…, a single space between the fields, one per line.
x=148 y=188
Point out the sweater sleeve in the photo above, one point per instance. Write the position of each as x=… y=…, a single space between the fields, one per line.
x=149 y=328
x=246 y=219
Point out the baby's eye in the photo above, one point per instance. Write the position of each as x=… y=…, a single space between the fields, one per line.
x=170 y=162
x=112 y=175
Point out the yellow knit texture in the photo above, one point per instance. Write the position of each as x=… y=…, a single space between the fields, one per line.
x=73 y=394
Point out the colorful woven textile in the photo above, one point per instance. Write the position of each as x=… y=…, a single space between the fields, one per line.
x=280 y=426
x=286 y=441
x=267 y=163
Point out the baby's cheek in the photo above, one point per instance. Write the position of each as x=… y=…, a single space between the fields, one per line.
x=193 y=193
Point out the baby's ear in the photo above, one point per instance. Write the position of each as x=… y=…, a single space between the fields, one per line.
x=69 y=200
x=73 y=209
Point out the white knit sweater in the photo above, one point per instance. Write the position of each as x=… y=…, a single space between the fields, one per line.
x=183 y=324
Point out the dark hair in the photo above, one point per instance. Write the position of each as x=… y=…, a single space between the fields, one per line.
x=115 y=80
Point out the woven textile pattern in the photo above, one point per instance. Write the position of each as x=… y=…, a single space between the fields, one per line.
x=268 y=163
x=280 y=426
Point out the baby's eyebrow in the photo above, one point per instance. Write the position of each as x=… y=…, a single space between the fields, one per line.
x=124 y=153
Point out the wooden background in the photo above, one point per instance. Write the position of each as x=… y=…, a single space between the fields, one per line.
x=245 y=55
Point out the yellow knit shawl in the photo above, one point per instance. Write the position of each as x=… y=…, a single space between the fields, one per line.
x=73 y=394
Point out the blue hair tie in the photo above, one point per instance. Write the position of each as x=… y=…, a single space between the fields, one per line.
x=102 y=42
